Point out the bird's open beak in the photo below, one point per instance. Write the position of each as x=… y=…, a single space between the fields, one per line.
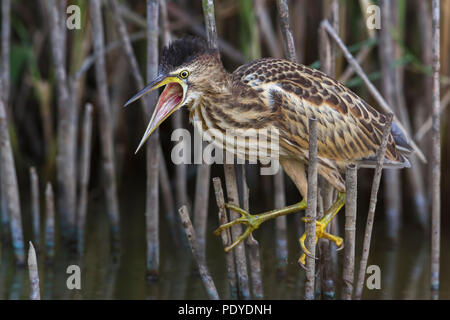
x=170 y=100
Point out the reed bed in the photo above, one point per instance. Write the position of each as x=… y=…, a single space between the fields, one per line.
x=46 y=135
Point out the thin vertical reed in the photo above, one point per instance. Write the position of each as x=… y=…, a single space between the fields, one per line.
x=268 y=35
x=327 y=56
x=281 y=244
x=106 y=131
x=203 y=270
x=49 y=223
x=351 y=186
x=168 y=200
x=204 y=170
x=267 y=31
x=436 y=153
x=210 y=23
x=201 y=206
x=5 y=51
x=229 y=170
x=252 y=245
x=65 y=160
x=280 y=201
x=288 y=39
x=226 y=238
x=164 y=180
x=163 y=176
x=35 y=206
x=392 y=187
x=152 y=203
x=33 y=273
x=311 y=210
x=4 y=96
x=85 y=167
x=11 y=189
x=236 y=230
x=372 y=206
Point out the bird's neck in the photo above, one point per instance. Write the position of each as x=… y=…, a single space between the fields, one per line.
x=217 y=87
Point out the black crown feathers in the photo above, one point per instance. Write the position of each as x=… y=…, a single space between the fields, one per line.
x=183 y=51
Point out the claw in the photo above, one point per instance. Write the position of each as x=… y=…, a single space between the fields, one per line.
x=246 y=218
x=320 y=233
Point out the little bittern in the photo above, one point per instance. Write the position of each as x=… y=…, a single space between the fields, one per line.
x=275 y=93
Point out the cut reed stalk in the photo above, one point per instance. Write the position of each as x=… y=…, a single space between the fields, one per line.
x=372 y=206
x=35 y=206
x=436 y=153
x=153 y=158
x=33 y=273
x=311 y=209
x=49 y=223
x=10 y=188
x=226 y=238
x=203 y=270
x=351 y=186
x=105 y=123
x=85 y=167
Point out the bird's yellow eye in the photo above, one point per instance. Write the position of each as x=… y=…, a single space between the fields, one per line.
x=184 y=74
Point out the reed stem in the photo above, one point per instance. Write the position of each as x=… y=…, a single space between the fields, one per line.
x=35 y=206
x=372 y=206
x=203 y=270
x=153 y=158
x=311 y=209
x=49 y=223
x=33 y=273
x=226 y=238
x=105 y=121
x=436 y=154
x=85 y=167
x=351 y=187
x=10 y=188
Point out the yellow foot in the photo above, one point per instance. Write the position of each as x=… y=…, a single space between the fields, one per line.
x=252 y=222
x=320 y=233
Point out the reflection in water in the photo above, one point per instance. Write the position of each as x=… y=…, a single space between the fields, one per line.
x=404 y=268
x=416 y=273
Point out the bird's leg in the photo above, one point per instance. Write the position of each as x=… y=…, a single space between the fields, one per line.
x=321 y=226
x=254 y=221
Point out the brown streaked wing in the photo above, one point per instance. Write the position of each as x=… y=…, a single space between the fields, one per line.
x=349 y=129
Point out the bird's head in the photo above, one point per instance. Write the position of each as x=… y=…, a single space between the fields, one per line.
x=187 y=66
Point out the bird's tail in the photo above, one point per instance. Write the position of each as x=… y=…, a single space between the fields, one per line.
x=404 y=149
